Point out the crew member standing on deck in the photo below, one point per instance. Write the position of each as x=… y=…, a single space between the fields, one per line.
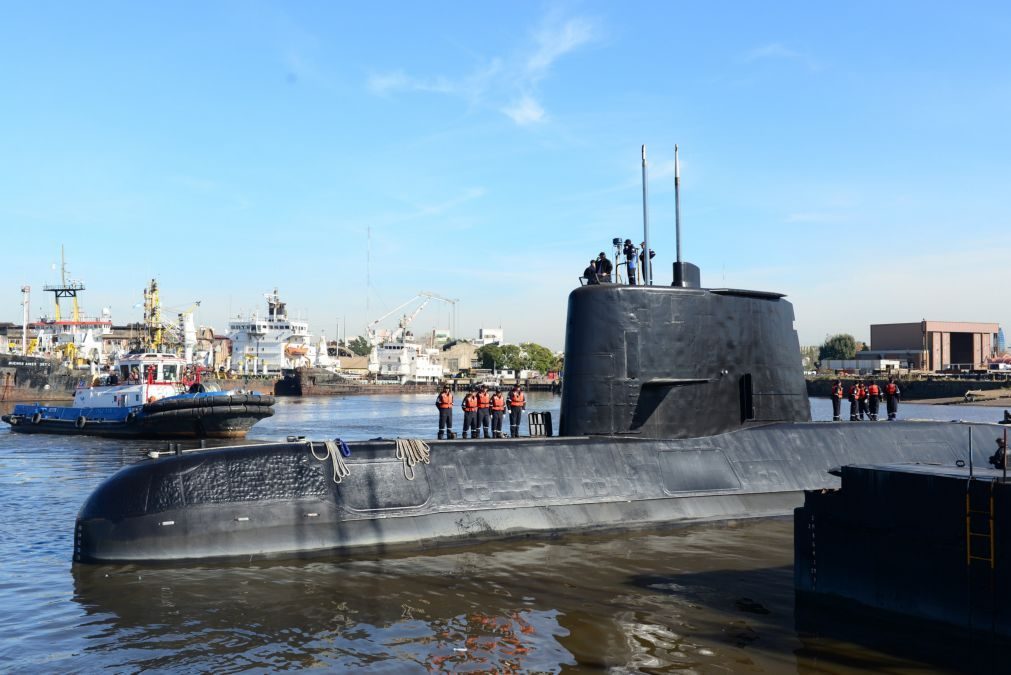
x=590 y=273
x=629 y=252
x=498 y=406
x=862 y=399
x=517 y=402
x=892 y=395
x=604 y=268
x=854 y=402
x=837 y=396
x=444 y=402
x=469 y=406
x=483 y=410
x=873 y=399
x=642 y=259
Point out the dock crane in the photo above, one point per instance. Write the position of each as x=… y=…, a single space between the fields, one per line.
x=375 y=337
x=372 y=331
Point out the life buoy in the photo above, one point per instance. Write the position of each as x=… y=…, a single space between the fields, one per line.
x=80 y=422
x=36 y=418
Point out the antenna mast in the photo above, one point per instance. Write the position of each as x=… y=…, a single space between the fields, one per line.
x=26 y=293
x=646 y=276
x=677 y=202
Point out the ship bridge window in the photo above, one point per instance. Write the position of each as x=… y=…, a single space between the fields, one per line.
x=124 y=373
x=150 y=372
x=169 y=372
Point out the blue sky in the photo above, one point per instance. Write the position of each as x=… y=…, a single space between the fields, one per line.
x=854 y=157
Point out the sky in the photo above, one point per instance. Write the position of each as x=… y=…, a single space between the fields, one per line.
x=853 y=156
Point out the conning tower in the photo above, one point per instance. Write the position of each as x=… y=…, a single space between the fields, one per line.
x=679 y=362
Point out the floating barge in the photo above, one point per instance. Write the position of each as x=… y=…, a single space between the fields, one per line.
x=920 y=541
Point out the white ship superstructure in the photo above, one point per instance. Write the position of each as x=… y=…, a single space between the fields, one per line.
x=266 y=345
x=404 y=361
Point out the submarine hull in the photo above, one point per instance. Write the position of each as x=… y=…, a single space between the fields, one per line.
x=279 y=500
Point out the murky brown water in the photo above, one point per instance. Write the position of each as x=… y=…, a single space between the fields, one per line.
x=698 y=599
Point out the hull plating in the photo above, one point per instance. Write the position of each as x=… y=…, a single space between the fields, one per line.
x=278 y=500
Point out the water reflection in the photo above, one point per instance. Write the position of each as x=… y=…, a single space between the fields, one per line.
x=703 y=599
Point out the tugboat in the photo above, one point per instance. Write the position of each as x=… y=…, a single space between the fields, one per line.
x=145 y=397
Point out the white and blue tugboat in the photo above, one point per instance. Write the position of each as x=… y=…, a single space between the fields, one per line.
x=146 y=396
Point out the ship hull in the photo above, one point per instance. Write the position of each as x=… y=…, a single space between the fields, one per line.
x=30 y=378
x=278 y=500
x=177 y=417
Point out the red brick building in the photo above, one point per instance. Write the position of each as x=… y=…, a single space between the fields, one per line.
x=936 y=345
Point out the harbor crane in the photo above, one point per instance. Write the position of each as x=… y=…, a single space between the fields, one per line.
x=372 y=331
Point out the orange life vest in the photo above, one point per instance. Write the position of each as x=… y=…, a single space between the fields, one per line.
x=837 y=391
x=516 y=399
x=445 y=400
x=498 y=403
x=873 y=391
x=891 y=389
x=483 y=400
x=861 y=392
x=469 y=403
x=853 y=391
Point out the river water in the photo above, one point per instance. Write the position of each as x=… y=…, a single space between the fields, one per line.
x=715 y=598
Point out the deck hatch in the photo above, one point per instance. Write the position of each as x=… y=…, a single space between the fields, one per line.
x=696 y=470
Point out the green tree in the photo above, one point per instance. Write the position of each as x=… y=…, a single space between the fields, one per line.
x=841 y=346
x=513 y=357
x=539 y=358
x=360 y=346
x=491 y=356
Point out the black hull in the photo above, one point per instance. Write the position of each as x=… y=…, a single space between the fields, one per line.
x=216 y=425
x=277 y=500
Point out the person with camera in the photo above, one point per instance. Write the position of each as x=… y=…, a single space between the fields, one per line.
x=629 y=251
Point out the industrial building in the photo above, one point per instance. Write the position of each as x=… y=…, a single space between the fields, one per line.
x=935 y=345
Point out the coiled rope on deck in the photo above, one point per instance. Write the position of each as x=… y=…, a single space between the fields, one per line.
x=410 y=451
x=336 y=450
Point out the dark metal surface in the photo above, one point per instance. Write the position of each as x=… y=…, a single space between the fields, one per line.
x=676 y=362
x=894 y=539
x=260 y=500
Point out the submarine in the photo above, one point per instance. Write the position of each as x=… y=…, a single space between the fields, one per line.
x=680 y=404
x=688 y=405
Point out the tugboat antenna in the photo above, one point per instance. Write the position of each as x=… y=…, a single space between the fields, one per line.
x=646 y=276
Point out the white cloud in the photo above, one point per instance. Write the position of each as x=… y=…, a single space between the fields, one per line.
x=772 y=50
x=777 y=51
x=505 y=83
x=525 y=111
x=553 y=41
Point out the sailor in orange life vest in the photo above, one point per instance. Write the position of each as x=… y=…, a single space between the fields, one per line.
x=469 y=406
x=517 y=402
x=873 y=399
x=498 y=406
x=838 y=394
x=892 y=395
x=851 y=393
x=444 y=402
x=483 y=410
x=862 y=399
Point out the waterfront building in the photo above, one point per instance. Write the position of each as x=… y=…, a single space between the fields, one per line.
x=935 y=345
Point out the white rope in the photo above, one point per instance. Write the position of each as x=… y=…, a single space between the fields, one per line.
x=410 y=451
x=333 y=452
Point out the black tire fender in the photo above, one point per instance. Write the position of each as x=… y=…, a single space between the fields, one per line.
x=36 y=418
x=80 y=422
